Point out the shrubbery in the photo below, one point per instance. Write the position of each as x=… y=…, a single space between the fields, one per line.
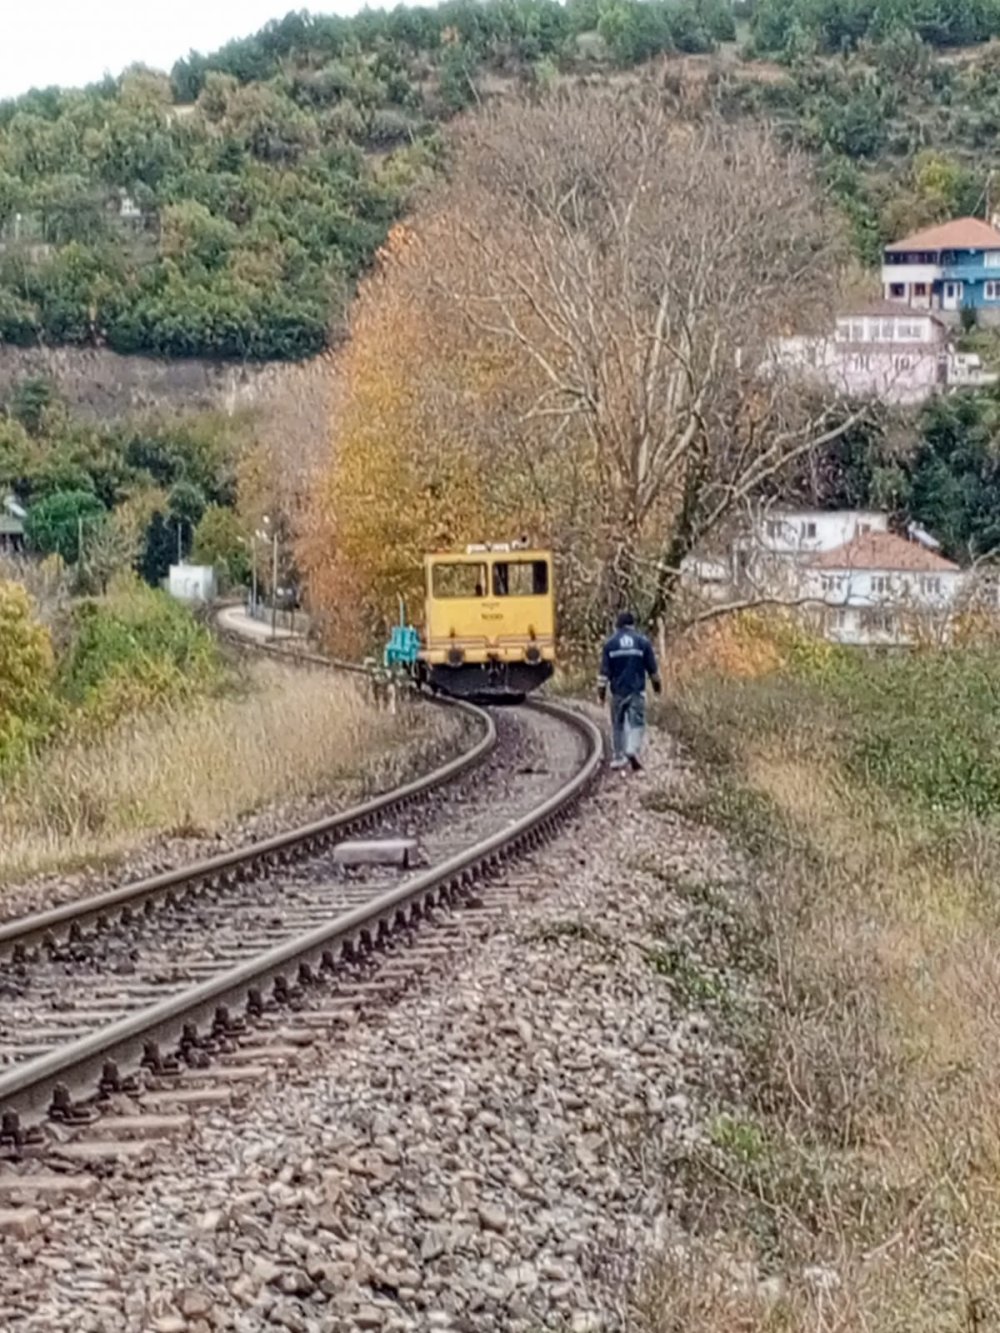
x=132 y=651
x=923 y=725
x=27 y=664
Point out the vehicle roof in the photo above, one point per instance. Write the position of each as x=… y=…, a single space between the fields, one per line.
x=477 y=557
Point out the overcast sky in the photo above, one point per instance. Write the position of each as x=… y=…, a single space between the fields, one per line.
x=73 y=42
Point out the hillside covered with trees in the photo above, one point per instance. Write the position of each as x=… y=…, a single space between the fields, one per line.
x=226 y=210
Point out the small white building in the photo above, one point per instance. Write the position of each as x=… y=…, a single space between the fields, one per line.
x=191 y=583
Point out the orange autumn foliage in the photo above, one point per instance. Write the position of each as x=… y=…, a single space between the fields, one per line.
x=417 y=460
x=742 y=647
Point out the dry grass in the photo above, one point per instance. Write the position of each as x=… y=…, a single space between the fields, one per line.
x=861 y=1178
x=291 y=733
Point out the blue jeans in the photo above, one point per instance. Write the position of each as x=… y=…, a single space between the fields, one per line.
x=628 y=724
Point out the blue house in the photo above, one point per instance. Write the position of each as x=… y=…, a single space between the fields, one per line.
x=946 y=269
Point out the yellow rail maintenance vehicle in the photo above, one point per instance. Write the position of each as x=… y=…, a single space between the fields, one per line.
x=489 y=623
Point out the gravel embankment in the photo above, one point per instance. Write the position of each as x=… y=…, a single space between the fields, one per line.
x=485 y=1154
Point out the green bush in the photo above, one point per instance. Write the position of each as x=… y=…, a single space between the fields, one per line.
x=136 y=649
x=54 y=525
x=927 y=726
x=26 y=670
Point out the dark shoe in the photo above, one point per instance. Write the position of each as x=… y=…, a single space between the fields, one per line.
x=634 y=761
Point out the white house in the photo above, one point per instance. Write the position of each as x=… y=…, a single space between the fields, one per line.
x=857 y=581
x=880 y=588
x=805 y=532
x=884 y=351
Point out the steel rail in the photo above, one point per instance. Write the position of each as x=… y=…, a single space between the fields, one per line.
x=19 y=935
x=29 y=1091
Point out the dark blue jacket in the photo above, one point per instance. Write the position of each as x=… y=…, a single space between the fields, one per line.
x=626 y=661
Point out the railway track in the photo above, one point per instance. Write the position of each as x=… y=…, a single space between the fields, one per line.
x=107 y=1001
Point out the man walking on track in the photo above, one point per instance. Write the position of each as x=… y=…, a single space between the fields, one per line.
x=626 y=661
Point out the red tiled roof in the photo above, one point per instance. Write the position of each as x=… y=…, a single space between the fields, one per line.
x=959 y=234
x=882 y=550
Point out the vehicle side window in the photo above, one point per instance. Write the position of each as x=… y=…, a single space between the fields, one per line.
x=459 y=580
x=520 y=578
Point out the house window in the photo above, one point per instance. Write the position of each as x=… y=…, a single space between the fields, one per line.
x=991 y=290
x=836 y=619
x=808 y=530
x=878 y=622
x=897 y=290
x=864 y=527
x=930 y=585
x=920 y=289
x=860 y=361
x=774 y=528
x=843 y=330
x=880 y=585
x=991 y=259
x=888 y=330
x=857 y=331
x=830 y=582
x=902 y=362
x=909 y=331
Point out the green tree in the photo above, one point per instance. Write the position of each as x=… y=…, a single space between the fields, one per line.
x=111 y=546
x=187 y=503
x=55 y=523
x=26 y=670
x=220 y=540
x=159 y=549
x=30 y=400
x=954 y=474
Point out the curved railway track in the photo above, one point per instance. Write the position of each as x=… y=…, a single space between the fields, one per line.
x=94 y=1009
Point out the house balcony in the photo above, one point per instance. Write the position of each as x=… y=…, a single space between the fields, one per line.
x=909 y=274
x=970 y=268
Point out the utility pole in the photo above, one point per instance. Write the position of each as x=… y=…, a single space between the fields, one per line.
x=180 y=548
x=79 y=542
x=274 y=587
x=253 y=576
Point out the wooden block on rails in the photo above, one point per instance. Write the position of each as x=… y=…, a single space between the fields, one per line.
x=20 y=1223
x=138 y=1126
x=376 y=852
x=168 y=1099
x=47 y=1185
x=86 y=1151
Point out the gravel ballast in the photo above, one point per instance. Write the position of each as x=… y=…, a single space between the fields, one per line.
x=483 y=1154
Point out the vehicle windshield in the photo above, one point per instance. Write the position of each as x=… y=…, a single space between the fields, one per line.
x=462 y=579
x=520 y=578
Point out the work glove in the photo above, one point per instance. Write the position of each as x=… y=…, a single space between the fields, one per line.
x=602 y=694
x=657 y=686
